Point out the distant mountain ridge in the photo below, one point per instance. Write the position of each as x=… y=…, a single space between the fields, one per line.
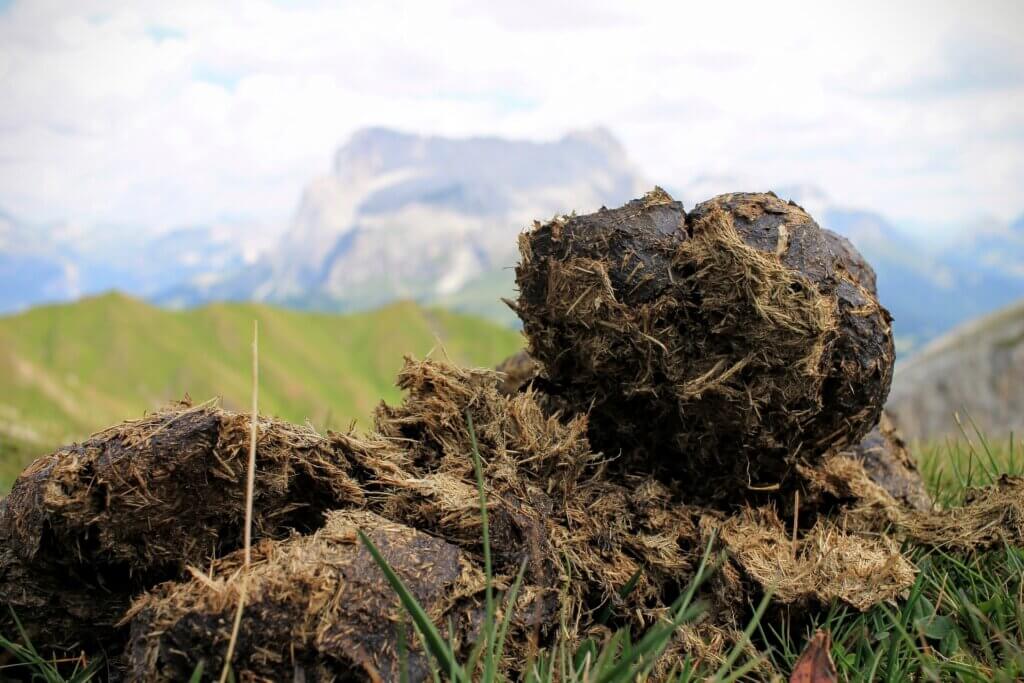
x=32 y=269
x=432 y=219
x=407 y=216
x=52 y=263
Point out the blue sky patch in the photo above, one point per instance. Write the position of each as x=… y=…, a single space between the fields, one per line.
x=162 y=33
x=215 y=76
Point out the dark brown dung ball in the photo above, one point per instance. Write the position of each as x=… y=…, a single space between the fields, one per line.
x=318 y=608
x=93 y=524
x=720 y=347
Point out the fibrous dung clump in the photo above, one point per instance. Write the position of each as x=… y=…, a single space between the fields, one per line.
x=319 y=608
x=883 y=454
x=723 y=346
x=91 y=525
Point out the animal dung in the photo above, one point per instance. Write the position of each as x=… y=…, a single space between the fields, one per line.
x=317 y=607
x=721 y=346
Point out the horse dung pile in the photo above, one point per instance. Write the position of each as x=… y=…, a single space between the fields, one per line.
x=692 y=380
x=717 y=345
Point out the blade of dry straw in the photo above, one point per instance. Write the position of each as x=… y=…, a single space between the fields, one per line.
x=250 y=485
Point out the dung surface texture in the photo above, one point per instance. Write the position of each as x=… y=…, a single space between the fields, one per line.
x=87 y=527
x=581 y=529
x=724 y=346
x=889 y=464
x=318 y=608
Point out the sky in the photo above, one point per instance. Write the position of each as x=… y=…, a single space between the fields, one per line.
x=155 y=115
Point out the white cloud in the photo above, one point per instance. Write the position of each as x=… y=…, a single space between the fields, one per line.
x=160 y=113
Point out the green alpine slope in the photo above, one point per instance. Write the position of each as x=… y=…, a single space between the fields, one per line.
x=67 y=370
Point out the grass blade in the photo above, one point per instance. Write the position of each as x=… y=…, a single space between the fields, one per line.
x=510 y=604
x=435 y=642
x=486 y=538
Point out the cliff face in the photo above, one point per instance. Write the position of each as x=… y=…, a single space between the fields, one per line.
x=404 y=216
x=977 y=370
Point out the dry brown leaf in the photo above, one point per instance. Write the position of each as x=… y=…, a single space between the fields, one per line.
x=815 y=664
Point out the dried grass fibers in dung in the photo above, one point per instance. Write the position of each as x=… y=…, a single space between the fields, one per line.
x=889 y=464
x=722 y=347
x=89 y=526
x=556 y=506
x=318 y=608
x=582 y=530
x=883 y=452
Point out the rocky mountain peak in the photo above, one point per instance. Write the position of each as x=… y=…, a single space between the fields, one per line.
x=407 y=215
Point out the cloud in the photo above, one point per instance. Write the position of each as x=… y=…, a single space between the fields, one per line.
x=160 y=114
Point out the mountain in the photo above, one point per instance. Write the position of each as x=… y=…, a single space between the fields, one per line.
x=53 y=263
x=32 y=267
x=66 y=370
x=406 y=216
x=148 y=264
x=976 y=371
x=434 y=220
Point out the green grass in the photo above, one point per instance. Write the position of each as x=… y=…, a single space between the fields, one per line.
x=68 y=370
x=964 y=618
x=14 y=454
x=955 y=465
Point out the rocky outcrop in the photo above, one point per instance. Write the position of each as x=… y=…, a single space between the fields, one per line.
x=975 y=372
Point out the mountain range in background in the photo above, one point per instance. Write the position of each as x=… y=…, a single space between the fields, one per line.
x=434 y=220
x=54 y=263
x=424 y=218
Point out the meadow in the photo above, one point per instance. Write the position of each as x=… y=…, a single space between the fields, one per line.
x=68 y=370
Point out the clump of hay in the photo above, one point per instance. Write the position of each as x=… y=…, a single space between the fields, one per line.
x=723 y=346
x=581 y=534
x=987 y=517
x=821 y=565
x=551 y=503
x=585 y=530
x=89 y=526
x=318 y=607
x=882 y=452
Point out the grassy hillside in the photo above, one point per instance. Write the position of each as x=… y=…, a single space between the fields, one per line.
x=67 y=370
